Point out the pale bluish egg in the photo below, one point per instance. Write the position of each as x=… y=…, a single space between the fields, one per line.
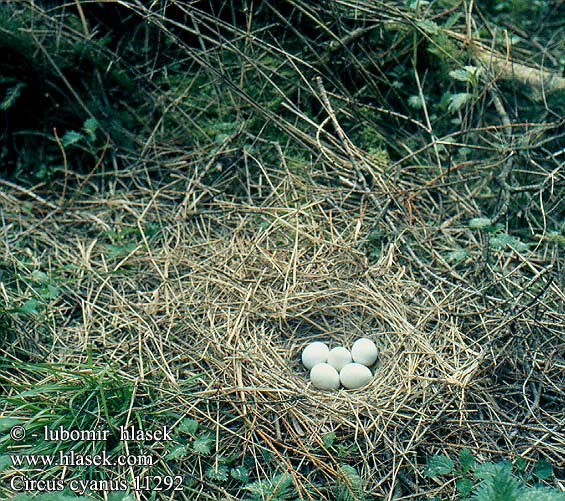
x=324 y=377
x=364 y=351
x=354 y=376
x=315 y=353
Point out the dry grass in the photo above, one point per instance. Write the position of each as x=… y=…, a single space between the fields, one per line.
x=231 y=294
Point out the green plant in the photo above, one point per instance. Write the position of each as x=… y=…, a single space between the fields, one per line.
x=278 y=487
x=502 y=481
x=83 y=398
x=349 y=485
x=498 y=238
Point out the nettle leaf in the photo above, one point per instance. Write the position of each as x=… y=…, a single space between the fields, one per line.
x=439 y=464
x=541 y=494
x=461 y=75
x=520 y=464
x=429 y=27
x=416 y=102
x=90 y=127
x=469 y=74
x=543 y=469
x=178 y=452
x=487 y=470
x=498 y=485
x=121 y=250
x=466 y=460
x=275 y=487
x=464 y=486
x=500 y=241
x=457 y=101
x=456 y=256
x=328 y=439
x=29 y=307
x=240 y=473
x=188 y=426
x=518 y=245
x=39 y=277
x=219 y=473
x=50 y=292
x=480 y=222
x=203 y=445
x=71 y=137
x=349 y=488
x=281 y=484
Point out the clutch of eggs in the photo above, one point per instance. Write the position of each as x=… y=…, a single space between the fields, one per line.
x=328 y=368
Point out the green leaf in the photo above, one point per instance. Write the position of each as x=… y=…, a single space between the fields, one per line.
x=349 y=485
x=466 y=460
x=439 y=464
x=488 y=470
x=277 y=486
x=188 y=426
x=518 y=245
x=178 y=452
x=520 y=464
x=429 y=27
x=457 y=101
x=498 y=485
x=221 y=138
x=461 y=75
x=328 y=439
x=456 y=256
x=469 y=74
x=90 y=127
x=11 y=95
x=464 y=486
x=121 y=250
x=29 y=307
x=70 y=138
x=480 y=223
x=543 y=469
x=7 y=423
x=203 y=445
x=501 y=240
x=541 y=494
x=416 y=102
x=240 y=473
x=39 y=277
x=218 y=473
x=50 y=292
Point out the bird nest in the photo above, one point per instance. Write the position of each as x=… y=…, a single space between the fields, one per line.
x=226 y=299
x=262 y=297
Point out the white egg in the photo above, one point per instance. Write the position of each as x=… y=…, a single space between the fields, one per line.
x=315 y=353
x=324 y=377
x=339 y=357
x=354 y=376
x=364 y=352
